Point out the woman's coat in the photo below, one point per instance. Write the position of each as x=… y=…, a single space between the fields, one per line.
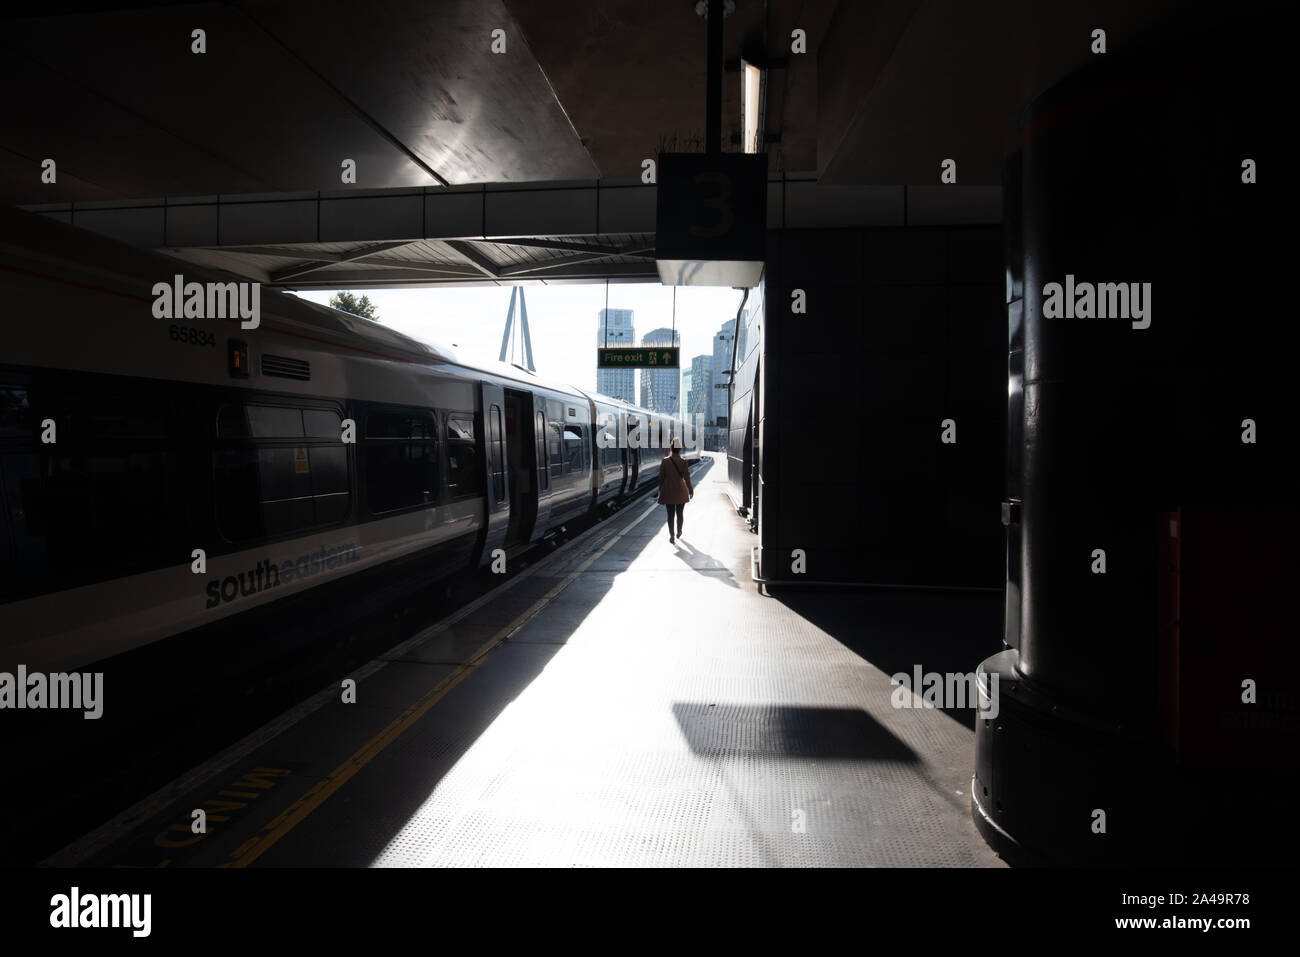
x=674 y=482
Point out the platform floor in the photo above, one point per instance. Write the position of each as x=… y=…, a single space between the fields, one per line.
x=627 y=702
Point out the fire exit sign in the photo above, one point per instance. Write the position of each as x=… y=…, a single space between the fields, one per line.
x=644 y=357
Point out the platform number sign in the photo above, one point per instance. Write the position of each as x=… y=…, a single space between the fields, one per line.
x=711 y=217
x=720 y=204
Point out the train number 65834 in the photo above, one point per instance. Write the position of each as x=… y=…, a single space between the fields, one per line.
x=195 y=337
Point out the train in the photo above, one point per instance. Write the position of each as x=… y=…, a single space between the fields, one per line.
x=178 y=476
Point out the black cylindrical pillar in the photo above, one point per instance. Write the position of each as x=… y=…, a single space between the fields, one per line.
x=1158 y=432
x=1146 y=265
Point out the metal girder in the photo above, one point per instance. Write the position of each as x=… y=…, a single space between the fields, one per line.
x=280 y=251
x=450 y=269
x=582 y=210
x=403 y=272
x=481 y=262
x=564 y=216
x=391 y=278
x=321 y=262
x=523 y=268
x=561 y=245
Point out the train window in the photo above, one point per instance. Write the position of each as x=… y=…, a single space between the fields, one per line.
x=400 y=460
x=285 y=473
x=462 y=462
x=232 y=422
x=116 y=420
x=107 y=499
x=264 y=492
x=543 y=473
x=496 y=453
x=322 y=424
x=610 y=454
x=273 y=422
x=86 y=495
x=289 y=473
x=556 y=449
x=330 y=484
x=235 y=473
x=15 y=417
x=277 y=422
x=401 y=425
x=573 y=441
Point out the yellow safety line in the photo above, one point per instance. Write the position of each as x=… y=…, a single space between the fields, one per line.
x=293 y=815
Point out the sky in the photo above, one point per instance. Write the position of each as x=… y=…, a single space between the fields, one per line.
x=562 y=319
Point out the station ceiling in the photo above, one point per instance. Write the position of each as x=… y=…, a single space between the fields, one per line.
x=412 y=92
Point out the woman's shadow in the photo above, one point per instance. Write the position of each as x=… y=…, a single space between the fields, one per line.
x=703 y=563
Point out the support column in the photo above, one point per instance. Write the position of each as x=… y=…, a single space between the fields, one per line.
x=1151 y=334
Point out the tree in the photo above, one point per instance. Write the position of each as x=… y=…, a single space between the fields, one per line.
x=346 y=302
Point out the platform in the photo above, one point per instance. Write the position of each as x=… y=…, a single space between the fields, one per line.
x=626 y=702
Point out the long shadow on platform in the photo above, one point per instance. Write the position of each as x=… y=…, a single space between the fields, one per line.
x=711 y=565
x=944 y=632
x=740 y=730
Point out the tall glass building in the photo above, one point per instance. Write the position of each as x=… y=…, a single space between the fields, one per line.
x=699 y=396
x=723 y=344
x=618 y=383
x=661 y=388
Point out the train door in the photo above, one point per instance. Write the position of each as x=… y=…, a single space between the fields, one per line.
x=624 y=459
x=543 y=462
x=496 y=468
x=521 y=453
x=633 y=455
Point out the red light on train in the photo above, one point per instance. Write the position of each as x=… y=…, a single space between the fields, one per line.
x=238 y=353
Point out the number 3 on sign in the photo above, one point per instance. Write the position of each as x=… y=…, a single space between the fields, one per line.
x=721 y=202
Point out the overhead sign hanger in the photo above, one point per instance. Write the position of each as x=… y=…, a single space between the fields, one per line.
x=711 y=213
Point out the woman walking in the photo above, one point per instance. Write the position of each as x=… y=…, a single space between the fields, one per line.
x=675 y=488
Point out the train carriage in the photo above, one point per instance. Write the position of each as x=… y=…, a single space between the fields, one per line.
x=164 y=476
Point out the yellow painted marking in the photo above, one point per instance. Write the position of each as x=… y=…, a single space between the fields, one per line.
x=258 y=778
x=162 y=840
x=293 y=815
x=138 y=867
x=216 y=805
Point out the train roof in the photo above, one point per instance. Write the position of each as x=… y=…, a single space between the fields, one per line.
x=620 y=403
x=517 y=373
x=606 y=399
x=59 y=250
